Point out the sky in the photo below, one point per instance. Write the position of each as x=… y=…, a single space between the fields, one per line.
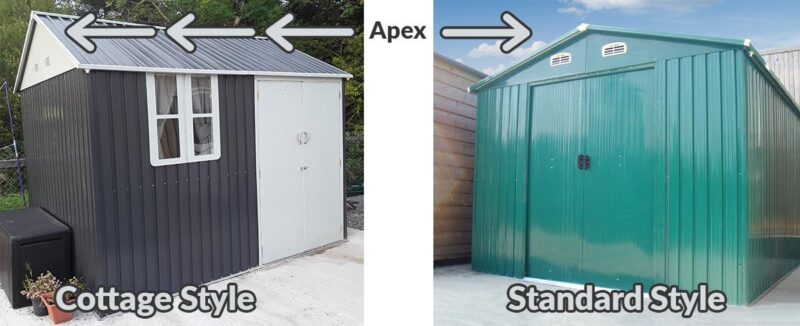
x=767 y=23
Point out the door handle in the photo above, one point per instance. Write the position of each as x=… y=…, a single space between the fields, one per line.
x=303 y=137
x=303 y=168
x=584 y=161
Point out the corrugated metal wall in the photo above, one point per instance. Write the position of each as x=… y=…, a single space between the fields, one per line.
x=705 y=163
x=702 y=99
x=500 y=208
x=163 y=227
x=785 y=64
x=774 y=210
x=59 y=168
x=454 y=148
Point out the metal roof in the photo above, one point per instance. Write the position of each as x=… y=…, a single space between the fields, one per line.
x=234 y=56
x=578 y=31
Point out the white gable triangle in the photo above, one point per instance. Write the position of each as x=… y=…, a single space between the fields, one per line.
x=45 y=58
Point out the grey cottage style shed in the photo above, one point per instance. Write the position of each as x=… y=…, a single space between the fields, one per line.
x=173 y=168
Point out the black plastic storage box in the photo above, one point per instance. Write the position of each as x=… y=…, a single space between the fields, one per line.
x=31 y=236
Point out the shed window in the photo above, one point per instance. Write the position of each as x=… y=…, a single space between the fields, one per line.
x=560 y=59
x=183 y=114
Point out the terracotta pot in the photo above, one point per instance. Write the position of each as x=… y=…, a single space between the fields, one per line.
x=57 y=316
x=38 y=307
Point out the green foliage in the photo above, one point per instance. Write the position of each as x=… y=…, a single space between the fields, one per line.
x=12 y=202
x=32 y=288
x=14 y=15
x=347 y=54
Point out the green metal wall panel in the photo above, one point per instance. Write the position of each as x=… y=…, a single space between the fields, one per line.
x=773 y=225
x=704 y=164
x=500 y=201
x=587 y=56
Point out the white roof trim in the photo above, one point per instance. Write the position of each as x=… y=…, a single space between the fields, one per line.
x=97 y=20
x=582 y=27
x=24 y=58
x=210 y=71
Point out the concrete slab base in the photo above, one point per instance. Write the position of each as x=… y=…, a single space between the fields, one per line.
x=464 y=297
x=323 y=288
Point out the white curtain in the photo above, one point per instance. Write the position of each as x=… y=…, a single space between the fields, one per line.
x=166 y=95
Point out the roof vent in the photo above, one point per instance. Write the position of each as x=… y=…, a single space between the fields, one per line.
x=560 y=59
x=47 y=61
x=615 y=48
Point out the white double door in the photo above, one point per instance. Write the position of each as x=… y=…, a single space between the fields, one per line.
x=299 y=145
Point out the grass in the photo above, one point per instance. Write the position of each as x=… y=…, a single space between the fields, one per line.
x=11 y=202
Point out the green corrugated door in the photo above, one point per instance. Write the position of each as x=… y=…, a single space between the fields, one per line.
x=554 y=210
x=597 y=224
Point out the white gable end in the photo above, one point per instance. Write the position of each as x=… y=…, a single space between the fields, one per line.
x=46 y=58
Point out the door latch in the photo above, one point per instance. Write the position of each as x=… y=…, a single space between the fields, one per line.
x=303 y=137
x=584 y=161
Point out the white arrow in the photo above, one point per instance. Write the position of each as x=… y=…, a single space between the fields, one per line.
x=514 y=33
x=80 y=32
x=181 y=35
x=278 y=32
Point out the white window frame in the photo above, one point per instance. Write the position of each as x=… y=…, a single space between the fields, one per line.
x=185 y=118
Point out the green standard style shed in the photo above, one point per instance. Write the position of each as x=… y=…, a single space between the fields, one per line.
x=616 y=156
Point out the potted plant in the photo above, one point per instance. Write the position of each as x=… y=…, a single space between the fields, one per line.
x=78 y=284
x=57 y=316
x=33 y=289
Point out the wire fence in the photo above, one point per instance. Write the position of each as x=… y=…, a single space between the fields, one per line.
x=13 y=180
x=354 y=159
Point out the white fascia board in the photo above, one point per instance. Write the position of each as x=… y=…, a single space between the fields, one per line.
x=24 y=58
x=98 y=20
x=210 y=71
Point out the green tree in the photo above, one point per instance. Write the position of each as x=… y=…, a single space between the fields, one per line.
x=347 y=53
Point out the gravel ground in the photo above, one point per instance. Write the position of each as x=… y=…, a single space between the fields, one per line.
x=355 y=216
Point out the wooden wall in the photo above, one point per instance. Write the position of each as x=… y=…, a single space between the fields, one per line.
x=454 y=147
